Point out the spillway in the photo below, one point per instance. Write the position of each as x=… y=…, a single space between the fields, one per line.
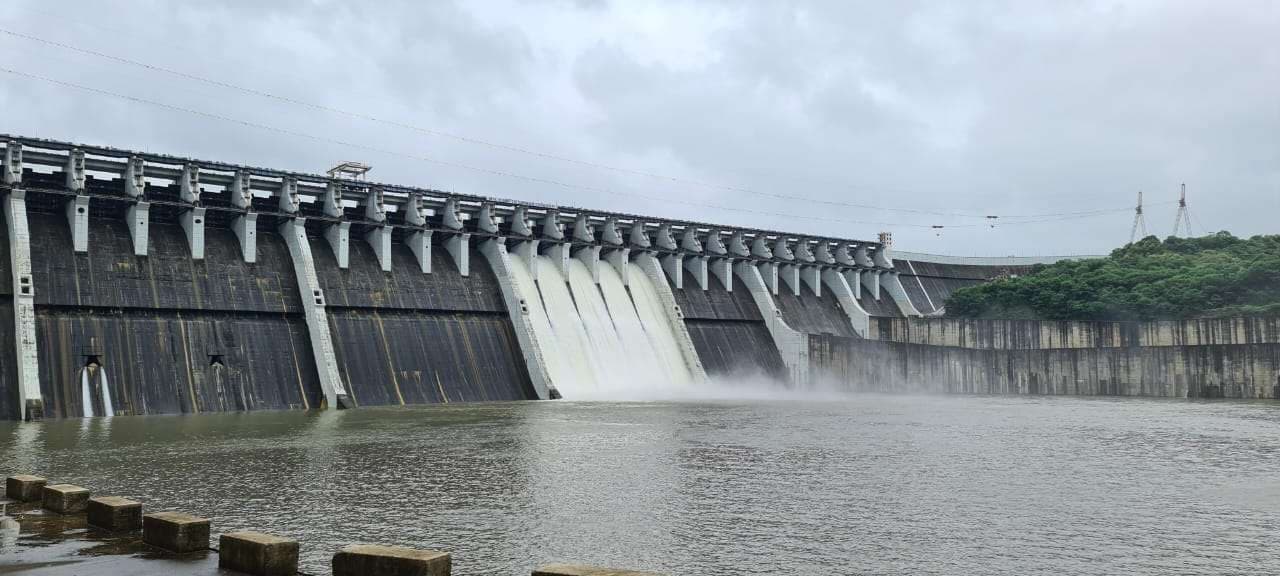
x=601 y=340
x=662 y=336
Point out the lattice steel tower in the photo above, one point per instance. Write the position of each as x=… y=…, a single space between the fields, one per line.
x=1183 y=217
x=1138 y=221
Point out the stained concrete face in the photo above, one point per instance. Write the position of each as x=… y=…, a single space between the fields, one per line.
x=1228 y=358
x=223 y=335
x=727 y=330
x=406 y=337
x=230 y=335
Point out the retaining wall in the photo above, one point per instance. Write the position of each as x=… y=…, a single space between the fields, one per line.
x=1221 y=358
x=1038 y=334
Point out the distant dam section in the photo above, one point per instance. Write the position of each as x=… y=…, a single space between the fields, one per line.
x=139 y=283
x=1204 y=358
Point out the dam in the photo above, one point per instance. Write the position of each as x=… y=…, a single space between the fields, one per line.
x=140 y=283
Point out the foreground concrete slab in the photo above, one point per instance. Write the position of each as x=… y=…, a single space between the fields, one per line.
x=115 y=513
x=175 y=531
x=580 y=570
x=258 y=554
x=25 y=487
x=65 y=498
x=362 y=559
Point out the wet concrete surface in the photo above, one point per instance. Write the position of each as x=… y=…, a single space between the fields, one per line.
x=50 y=544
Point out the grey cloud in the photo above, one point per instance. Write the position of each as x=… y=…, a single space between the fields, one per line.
x=982 y=107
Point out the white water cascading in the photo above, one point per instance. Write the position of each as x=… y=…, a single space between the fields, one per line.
x=662 y=336
x=107 y=407
x=86 y=395
x=87 y=375
x=601 y=341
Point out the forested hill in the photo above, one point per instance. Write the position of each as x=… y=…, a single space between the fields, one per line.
x=1216 y=275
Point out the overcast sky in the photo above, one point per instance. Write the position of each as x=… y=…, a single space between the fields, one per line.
x=706 y=110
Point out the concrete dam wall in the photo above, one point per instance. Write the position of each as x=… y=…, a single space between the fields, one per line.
x=171 y=334
x=145 y=284
x=1038 y=334
x=1217 y=358
x=140 y=283
x=178 y=335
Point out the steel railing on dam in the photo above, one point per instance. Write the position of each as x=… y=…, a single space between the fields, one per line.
x=203 y=286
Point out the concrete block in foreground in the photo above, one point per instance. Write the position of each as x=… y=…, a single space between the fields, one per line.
x=362 y=559
x=258 y=554
x=25 y=487
x=115 y=513
x=579 y=570
x=65 y=498
x=175 y=531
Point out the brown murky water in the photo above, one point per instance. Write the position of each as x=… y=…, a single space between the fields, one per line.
x=860 y=485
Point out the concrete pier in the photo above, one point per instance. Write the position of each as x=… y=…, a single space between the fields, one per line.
x=295 y=236
x=175 y=531
x=25 y=487
x=366 y=559
x=495 y=253
x=653 y=268
x=114 y=513
x=24 y=312
x=791 y=345
x=65 y=498
x=581 y=570
x=258 y=554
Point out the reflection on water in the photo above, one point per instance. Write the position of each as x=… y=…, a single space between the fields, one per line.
x=888 y=485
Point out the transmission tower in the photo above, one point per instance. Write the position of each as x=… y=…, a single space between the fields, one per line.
x=1138 y=221
x=1183 y=217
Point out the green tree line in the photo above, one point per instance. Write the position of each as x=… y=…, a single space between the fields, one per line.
x=1215 y=275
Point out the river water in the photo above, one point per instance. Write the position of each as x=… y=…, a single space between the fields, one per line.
x=889 y=485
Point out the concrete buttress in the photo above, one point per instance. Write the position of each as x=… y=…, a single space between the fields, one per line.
x=295 y=236
x=495 y=252
x=839 y=285
x=653 y=268
x=24 y=310
x=792 y=345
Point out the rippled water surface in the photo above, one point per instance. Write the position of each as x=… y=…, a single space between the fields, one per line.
x=860 y=485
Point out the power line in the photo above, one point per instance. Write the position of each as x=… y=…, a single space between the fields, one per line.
x=424 y=158
x=506 y=147
x=348 y=144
